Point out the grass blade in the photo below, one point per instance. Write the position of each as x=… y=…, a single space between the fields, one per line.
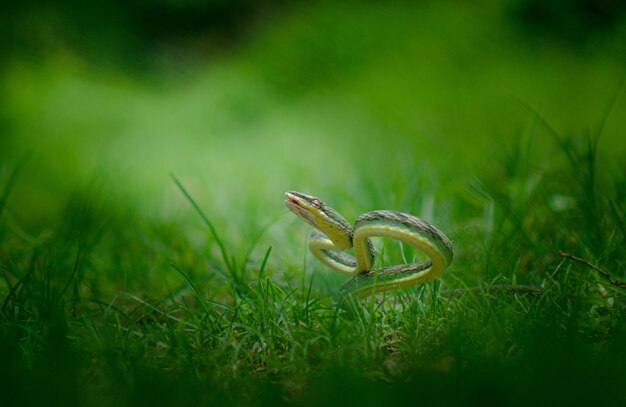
x=209 y=224
x=192 y=285
x=4 y=196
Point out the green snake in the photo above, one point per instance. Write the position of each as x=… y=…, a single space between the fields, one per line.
x=333 y=235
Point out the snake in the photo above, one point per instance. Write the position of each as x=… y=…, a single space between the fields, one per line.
x=333 y=235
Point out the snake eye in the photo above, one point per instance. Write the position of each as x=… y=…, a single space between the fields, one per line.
x=317 y=203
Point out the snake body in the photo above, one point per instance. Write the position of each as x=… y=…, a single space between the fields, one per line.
x=333 y=235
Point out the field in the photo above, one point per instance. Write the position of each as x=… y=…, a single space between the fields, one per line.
x=147 y=257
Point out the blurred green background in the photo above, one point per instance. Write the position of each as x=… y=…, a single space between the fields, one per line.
x=244 y=99
x=369 y=105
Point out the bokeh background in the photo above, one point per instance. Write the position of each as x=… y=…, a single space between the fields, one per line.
x=369 y=105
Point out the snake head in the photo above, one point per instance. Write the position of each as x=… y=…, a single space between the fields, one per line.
x=321 y=216
x=306 y=207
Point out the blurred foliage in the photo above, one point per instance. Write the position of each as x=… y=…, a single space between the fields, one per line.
x=125 y=32
x=135 y=32
x=576 y=21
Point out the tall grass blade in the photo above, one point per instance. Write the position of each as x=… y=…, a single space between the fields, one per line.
x=196 y=292
x=209 y=224
x=73 y=276
x=6 y=192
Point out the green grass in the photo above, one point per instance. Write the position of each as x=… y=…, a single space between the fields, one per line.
x=147 y=258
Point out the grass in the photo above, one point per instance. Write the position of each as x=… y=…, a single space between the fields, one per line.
x=121 y=286
x=250 y=334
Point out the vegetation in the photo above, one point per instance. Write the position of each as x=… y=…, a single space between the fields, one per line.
x=147 y=258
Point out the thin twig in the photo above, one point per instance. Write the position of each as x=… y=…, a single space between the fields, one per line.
x=613 y=281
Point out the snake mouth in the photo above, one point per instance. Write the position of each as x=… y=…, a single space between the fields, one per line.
x=297 y=205
x=293 y=203
x=292 y=199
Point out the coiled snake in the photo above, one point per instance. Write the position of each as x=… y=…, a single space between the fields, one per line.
x=333 y=235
